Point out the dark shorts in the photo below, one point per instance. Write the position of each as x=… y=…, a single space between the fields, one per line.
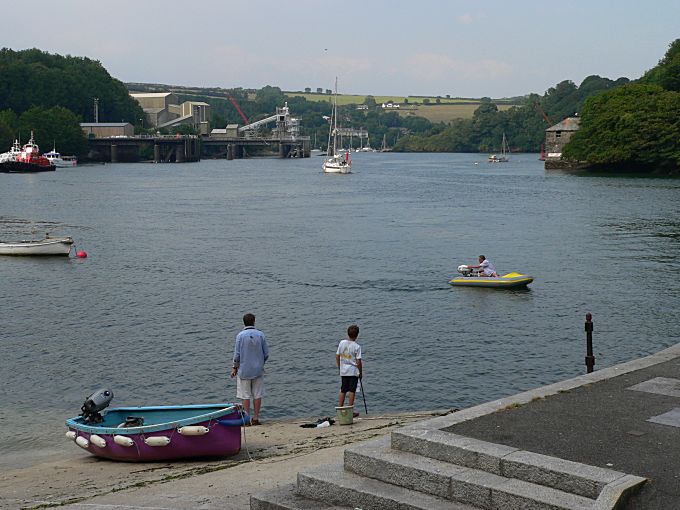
x=349 y=384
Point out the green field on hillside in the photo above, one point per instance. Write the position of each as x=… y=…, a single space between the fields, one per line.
x=446 y=112
x=344 y=99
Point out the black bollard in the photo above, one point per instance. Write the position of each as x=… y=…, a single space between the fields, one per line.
x=590 y=359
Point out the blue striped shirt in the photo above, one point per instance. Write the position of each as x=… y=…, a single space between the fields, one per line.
x=250 y=353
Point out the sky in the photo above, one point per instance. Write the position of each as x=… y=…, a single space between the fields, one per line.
x=461 y=48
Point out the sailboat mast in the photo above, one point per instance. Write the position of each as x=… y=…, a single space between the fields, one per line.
x=335 y=117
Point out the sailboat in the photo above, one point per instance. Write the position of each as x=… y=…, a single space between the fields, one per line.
x=335 y=162
x=367 y=147
x=384 y=147
x=505 y=150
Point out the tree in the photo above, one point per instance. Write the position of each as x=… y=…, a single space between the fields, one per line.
x=35 y=78
x=667 y=71
x=9 y=118
x=636 y=126
x=269 y=98
x=6 y=136
x=55 y=126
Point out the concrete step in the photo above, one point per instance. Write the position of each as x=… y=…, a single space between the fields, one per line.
x=378 y=460
x=564 y=475
x=334 y=485
x=286 y=498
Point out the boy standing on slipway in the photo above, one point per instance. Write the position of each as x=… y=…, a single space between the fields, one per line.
x=348 y=361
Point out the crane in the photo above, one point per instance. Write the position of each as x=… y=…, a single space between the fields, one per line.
x=548 y=121
x=543 y=114
x=243 y=115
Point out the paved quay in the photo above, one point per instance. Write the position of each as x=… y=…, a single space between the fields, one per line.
x=629 y=420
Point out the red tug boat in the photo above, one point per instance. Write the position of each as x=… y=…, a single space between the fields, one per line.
x=28 y=160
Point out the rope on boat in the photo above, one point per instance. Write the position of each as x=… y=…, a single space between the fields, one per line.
x=243 y=429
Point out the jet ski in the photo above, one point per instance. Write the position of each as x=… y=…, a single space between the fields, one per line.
x=470 y=277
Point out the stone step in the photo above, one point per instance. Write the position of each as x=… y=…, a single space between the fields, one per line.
x=332 y=484
x=286 y=498
x=378 y=460
x=564 y=475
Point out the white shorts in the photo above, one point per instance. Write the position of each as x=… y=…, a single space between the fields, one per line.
x=250 y=388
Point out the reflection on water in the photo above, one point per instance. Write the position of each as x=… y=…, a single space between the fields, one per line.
x=177 y=254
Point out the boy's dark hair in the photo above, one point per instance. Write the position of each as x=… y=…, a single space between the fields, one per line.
x=249 y=319
x=353 y=331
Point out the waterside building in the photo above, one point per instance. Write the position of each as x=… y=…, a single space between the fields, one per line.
x=163 y=110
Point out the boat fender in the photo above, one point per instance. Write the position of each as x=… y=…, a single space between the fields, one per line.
x=235 y=422
x=193 y=430
x=157 y=441
x=97 y=440
x=123 y=440
x=82 y=442
x=71 y=435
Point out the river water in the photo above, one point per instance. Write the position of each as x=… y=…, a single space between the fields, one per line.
x=179 y=252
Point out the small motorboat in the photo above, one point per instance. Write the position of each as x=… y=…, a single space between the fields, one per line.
x=471 y=278
x=159 y=433
x=48 y=246
x=60 y=161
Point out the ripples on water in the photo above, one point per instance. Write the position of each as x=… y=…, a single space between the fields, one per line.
x=179 y=252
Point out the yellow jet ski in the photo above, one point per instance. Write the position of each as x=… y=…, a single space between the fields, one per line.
x=471 y=278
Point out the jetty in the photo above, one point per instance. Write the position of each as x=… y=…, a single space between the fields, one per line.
x=116 y=142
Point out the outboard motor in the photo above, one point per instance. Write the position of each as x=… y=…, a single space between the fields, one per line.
x=99 y=400
x=465 y=270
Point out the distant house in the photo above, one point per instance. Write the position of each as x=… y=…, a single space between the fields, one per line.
x=557 y=136
x=362 y=107
x=390 y=105
x=107 y=129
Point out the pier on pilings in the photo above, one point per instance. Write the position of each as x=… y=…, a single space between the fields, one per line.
x=236 y=147
x=173 y=149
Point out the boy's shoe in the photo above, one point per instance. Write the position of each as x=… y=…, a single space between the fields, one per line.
x=355 y=414
x=255 y=422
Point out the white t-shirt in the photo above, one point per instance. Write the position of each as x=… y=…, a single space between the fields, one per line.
x=350 y=352
x=487 y=267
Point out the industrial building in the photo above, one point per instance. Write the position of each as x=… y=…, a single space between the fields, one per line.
x=163 y=110
x=107 y=129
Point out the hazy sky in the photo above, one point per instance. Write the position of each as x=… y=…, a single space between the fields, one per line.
x=468 y=48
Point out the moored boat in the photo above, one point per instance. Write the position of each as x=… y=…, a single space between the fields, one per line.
x=159 y=433
x=471 y=278
x=60 y=161
x=11 y=155
x=28 y=160
x=335 y=162
x=505 y=151
x=47 y=246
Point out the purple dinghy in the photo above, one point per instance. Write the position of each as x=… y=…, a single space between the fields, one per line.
x=142 y=434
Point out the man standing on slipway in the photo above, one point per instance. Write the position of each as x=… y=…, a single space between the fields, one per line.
x=250 y=354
